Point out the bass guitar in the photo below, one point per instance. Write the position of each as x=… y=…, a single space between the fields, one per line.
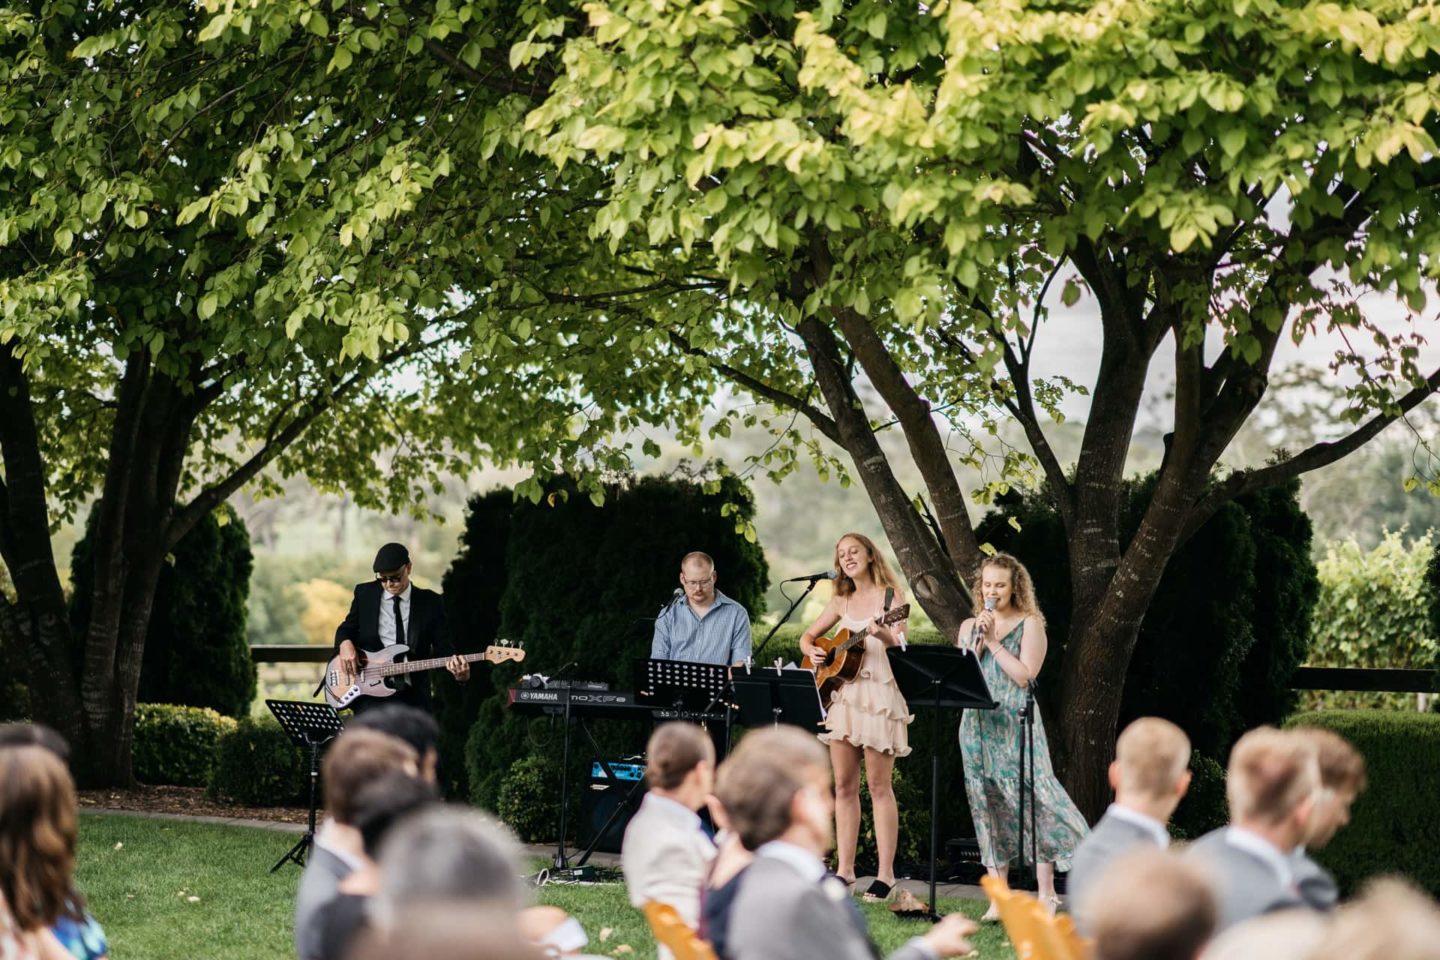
x=376 y=669
x=844 y=653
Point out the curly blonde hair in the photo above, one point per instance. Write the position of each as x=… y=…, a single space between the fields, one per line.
x=880 y=571
x=1022 y=588
x=38 y=828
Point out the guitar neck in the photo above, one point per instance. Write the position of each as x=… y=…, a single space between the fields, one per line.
x=854 y=640
x=415 y=666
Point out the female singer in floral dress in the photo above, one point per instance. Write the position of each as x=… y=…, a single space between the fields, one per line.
x=868 y=717
x=1009 y=641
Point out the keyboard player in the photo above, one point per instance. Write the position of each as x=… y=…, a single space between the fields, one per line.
x=701 y=624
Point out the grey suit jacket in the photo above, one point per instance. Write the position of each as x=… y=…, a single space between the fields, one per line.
x=318 y=886
x=1110 y=840
x=1317 y=887
x=1245 y=886
x=779 y=915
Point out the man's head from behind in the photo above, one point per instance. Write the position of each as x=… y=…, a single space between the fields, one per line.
x=411 y=724
x=777 y=785
x=680 y=763
x=1150 y=905
x=448 y=854
x=1342 y=778
x=1271 y=785
x=1150 y=772
x=356 y=758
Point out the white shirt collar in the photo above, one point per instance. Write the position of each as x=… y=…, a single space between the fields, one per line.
x=673 y=809
x=802 y=861
x=1262 y=850
x=1149 y=824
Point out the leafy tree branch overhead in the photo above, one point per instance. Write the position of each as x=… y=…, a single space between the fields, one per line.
x=895 y=188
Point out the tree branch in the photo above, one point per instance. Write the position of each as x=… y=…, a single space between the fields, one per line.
x=1244 y=482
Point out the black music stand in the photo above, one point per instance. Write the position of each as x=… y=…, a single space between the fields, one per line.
x=941 y=678
x=686 y=687
x=309 y=725
x=770 y=695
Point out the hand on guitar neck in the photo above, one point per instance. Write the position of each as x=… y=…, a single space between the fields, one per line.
x=370 y=674
x=458 y=666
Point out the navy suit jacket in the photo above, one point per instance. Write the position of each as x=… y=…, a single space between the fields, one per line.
x=427 y=635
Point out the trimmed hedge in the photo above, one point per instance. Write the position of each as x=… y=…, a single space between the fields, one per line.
x=1393 y=826
x=1203 y=807
x=176 y=744
x=256 y=764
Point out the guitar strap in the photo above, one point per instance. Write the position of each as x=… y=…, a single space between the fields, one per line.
x=889 y=598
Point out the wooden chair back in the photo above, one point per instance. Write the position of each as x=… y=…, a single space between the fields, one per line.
x=675 y=934
x=1033 y=932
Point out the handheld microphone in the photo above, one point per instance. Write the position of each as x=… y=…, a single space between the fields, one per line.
x=975 y=628
x=813 y=578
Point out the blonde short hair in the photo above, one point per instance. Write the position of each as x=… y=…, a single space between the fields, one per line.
x=759 y=781
x=1342 y=767
x=1390 y=920
x=1271 y=773
x=1148 y=904
x=674 y=750
x=1153 y=755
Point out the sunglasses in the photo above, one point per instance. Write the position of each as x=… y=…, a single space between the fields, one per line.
x=389 y=577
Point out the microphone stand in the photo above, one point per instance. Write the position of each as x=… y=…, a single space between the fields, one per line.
x=781 y=622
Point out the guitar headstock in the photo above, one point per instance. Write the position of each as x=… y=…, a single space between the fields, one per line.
x=504 y=652
x=895 y=616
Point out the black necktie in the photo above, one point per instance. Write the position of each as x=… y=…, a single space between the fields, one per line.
x=399 y=623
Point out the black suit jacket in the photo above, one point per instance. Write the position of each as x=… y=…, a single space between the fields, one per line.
x=427 y=635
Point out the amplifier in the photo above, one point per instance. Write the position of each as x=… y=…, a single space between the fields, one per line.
x=603 y=797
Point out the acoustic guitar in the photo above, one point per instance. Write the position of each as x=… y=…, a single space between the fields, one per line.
x=376 y=669
x=844 y=653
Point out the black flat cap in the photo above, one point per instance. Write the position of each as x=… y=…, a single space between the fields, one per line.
x=391 y=557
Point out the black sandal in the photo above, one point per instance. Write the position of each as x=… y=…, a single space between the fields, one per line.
x=877 y=892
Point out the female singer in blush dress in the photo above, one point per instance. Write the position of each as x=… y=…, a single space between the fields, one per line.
x=1009 y=641
x=868 y=717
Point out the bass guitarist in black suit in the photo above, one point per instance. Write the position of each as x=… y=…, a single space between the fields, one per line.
x=392 y=610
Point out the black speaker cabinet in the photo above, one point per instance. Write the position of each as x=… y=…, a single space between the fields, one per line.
x=603 y=801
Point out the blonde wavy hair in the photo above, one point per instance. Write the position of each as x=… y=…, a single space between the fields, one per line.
x=1022 y=588
x=880 y=570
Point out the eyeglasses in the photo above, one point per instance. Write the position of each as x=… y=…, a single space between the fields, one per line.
x=697 y=584
x=390 y=577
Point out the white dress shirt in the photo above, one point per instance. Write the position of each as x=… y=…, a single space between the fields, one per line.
x=387 y=615
x=1149 y=824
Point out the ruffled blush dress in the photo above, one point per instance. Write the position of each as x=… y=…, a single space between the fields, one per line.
x=869 y=711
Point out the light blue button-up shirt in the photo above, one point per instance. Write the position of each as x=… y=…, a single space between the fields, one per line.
x=723 y=636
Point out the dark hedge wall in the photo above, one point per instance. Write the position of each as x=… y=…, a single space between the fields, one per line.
x=197 y=653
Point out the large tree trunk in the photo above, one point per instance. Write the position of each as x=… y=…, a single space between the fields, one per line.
x=37 y=623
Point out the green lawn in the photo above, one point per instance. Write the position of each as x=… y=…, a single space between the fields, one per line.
x=167 y=890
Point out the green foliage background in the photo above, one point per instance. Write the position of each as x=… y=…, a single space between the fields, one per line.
x=1393 y=827
x=1376 y=609
x=197 y=650
x=178 y=745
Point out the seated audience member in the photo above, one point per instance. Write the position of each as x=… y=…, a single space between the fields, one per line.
x=666 y=852
x=1271 y=786
x=378 y=806
x=411 y=724
x=1287 y=935
x=77 y=931
x=38 y=832
x=356 y=758
x=781 y=802
x=1390 y=920
x=442 y=932
x=1342 y=777
x=723 y=880
x=448 y=855
x=1149 y=904
x=1149 y=776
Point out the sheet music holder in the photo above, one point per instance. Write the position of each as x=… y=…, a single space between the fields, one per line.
x=941 y=678
x=771 y=696
x=682 y=684
x=310 y=726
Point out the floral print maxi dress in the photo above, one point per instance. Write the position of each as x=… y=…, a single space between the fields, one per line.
x=990 y=747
